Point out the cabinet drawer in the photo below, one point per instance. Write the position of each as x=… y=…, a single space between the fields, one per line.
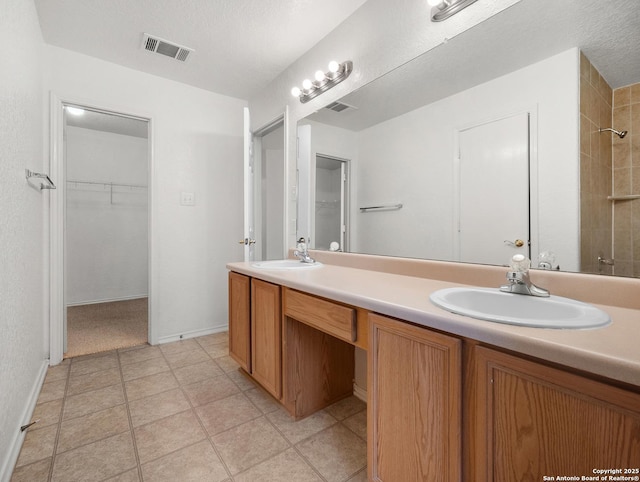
x=331 y=318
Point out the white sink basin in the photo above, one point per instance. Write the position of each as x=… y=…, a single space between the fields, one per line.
x=515 y=309
x=285 y=264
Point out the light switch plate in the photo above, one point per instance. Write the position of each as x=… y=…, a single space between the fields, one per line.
x=187 y=199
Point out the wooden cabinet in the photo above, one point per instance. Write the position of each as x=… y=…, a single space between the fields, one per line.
x=266 y=336
x=531 y=420
x=318 y=360
x=255 y=327
x=414 y=403
x=240 y=319
x=440 y=408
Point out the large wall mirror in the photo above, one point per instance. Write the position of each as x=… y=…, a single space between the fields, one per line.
x=490 y=145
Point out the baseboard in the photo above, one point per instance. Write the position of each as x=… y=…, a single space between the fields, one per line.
x=18 y=438
x=359 y=392
x=192 y=334
x=108 y=300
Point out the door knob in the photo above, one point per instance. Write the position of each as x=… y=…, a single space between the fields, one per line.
x=518 y=243
x=246 y=241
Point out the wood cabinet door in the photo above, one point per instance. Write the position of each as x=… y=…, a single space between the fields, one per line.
x=239 y=319
x=266 y=336
x=534 y=421
x=414 y=410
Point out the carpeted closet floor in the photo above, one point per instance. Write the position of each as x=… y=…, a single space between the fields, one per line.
x=106 y=326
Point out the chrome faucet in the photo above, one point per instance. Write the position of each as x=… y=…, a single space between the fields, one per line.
x=519 y=281
x=302 y=253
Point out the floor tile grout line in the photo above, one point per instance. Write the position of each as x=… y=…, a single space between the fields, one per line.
x=261 y=414
x=291 y=444
x=131 y=428
x=59 y=425
x=195 y=414
x=224 y=368
x=294 y=445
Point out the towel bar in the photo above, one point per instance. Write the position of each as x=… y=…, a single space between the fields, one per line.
x=384 y=207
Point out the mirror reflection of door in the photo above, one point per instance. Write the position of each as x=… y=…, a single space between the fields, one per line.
x=494 y=168
x=331 y=204
x=106 y=231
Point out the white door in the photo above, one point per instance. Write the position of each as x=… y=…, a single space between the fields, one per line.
x=264 y=190
x=273 y=200
x=248 y=239
x=303 y=214
x=493 y=191
x=344 y=205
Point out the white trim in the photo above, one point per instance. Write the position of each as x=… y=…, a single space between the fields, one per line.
x=359 y=392
x=193 y=334
x=56 y=233
x=287 y=187
x=18 y=438
x=57 y=311
x=109 y=300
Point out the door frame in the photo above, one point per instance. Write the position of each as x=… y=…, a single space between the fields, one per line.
x=250 y=216
x=57 y=214
x=534 y=232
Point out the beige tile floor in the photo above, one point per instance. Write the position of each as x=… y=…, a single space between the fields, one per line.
x=181 y=412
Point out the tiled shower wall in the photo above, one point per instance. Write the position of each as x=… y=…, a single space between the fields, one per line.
x=626 y=180
x=595 y=169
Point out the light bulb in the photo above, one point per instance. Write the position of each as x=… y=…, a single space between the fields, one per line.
x=333 y=66
x=296 y=92
x=306 y=84
x=319 y=75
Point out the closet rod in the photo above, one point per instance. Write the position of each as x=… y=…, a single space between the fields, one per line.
x=116 y=184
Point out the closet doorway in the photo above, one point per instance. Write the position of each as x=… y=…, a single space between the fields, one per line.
x=106 y=213
x=331 y=203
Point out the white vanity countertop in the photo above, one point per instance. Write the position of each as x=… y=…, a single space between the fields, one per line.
x=612 y=351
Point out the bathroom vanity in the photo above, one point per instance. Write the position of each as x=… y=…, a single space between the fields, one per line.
x=449 y=397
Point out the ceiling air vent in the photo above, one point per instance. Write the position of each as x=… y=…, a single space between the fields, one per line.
x=339 y=106
x=164 y=47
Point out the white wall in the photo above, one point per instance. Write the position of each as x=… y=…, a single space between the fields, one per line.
x=416 y=151
x=197 y=147
x=22 y=224
x=106 y=228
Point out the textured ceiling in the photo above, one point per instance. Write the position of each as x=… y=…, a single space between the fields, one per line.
x=608 y=32
x=240 y=45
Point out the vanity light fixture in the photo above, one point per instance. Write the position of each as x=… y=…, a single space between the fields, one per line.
x=323 y=81
x=443 y=9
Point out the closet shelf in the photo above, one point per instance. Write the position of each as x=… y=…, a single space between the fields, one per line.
x=106 y=184
x=107 y=187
